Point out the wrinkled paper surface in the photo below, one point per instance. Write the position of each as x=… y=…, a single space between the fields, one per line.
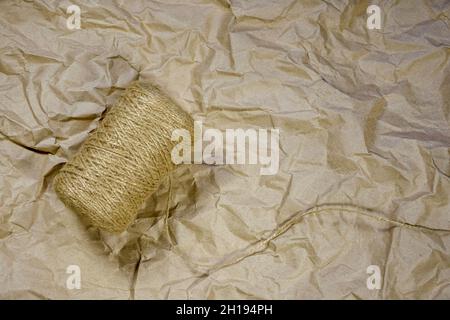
x=364 y=139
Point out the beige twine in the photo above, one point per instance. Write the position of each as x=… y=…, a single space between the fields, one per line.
x=124 y=160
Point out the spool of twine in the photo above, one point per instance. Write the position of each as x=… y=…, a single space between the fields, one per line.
x=124 y=160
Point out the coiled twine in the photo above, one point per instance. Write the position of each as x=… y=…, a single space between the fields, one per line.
x=124 y=160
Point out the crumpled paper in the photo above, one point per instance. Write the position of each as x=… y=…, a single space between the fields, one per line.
x=364 y=149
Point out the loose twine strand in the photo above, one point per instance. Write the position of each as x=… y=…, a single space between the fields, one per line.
x=124 y=160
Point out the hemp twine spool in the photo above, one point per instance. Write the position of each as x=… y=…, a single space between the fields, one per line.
x=124 y=160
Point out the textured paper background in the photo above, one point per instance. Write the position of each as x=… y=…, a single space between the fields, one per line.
x=364 y=124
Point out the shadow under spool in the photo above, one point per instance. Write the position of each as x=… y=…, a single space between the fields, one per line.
x=124 y=160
